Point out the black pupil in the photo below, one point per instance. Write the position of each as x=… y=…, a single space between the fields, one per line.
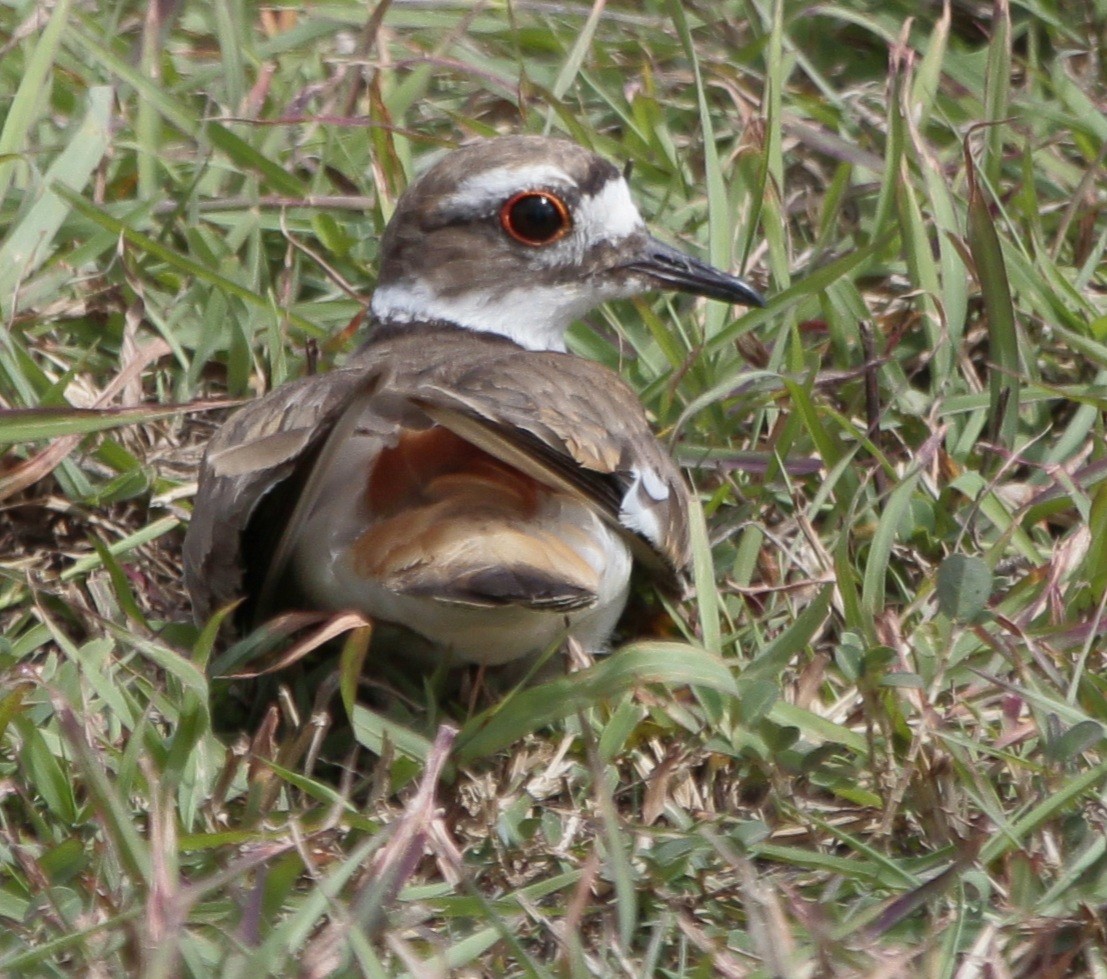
x=536 y=218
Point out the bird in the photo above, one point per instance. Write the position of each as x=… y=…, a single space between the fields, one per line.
x=478 y=492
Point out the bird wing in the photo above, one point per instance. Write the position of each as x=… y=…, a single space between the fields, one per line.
x=254 y=453
x=566 y=422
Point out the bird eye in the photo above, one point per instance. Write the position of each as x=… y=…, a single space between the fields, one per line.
x=535 y=217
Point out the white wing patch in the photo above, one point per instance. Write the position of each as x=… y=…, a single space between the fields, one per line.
x=639 y=511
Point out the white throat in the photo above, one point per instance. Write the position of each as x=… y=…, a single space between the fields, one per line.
x=535 y=317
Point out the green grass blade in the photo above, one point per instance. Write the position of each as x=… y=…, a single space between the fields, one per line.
x=29 y=101
x=1003 y=339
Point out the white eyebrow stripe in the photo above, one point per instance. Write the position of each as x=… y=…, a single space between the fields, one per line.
x=611 y=214
x=495 y=186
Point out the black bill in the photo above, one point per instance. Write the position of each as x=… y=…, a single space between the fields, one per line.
x=669 y=268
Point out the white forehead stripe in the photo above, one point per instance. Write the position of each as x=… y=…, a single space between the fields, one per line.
x=494 y=186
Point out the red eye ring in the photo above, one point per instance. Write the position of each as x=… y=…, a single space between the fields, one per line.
x=535 y=217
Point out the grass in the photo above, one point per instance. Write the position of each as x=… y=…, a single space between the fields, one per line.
x=873 y=745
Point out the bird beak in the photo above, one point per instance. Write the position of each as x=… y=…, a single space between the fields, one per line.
x=667 y=268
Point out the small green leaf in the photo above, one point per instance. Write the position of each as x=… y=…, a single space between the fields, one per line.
x=964 y=586
x=756 y=700
x=1080 y=737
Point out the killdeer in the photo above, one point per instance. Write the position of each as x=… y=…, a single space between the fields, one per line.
x=463 y=480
